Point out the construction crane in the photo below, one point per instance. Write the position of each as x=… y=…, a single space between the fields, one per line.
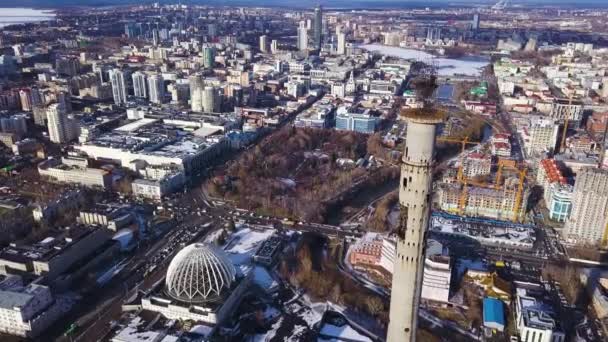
x=520 y=194
x=464 y=142
x=511 y=164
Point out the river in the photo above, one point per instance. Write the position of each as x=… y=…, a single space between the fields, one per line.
x=469 y=66
x=11 y=16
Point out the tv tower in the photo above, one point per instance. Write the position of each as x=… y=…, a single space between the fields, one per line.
x=414 y=201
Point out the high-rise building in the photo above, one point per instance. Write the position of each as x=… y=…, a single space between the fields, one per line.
x=155 y=37
x=156 y=88
x=414 y=202
x=341 y=43
x=264 y=43
x=68 y=66
x=318 y=28
x=140 y=86
x=274 y=46
x=62 y=129
x=589 y=218
x=119 y=86
x=302 y=37
x=26 y=100
x=208 y=57
x=475 y=22
x=208 y=99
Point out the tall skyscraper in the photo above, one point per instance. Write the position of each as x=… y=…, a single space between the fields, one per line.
x=61 y=128
x=155 y=37
x=588 y=222
x=302 y=37
x=208 y=99
x=318 y=28
x=414 y=203
x=475 y=22
x=264 y=43
x=140 y=84
x=26 y=100
x=208 y=57
x=274 y=46
x=119 y=86
x=156 y=88
x=341 y=50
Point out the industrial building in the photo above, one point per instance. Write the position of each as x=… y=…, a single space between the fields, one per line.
x=57 y=252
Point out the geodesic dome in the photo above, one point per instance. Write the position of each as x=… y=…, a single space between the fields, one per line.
x=199 y=273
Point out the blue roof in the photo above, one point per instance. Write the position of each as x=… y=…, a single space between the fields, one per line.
x=493 y=311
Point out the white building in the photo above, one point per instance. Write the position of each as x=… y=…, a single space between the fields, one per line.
x=27 y=310
x=156 y=88
x=140 y=84
x=589 y=217
x=66 y=171
x=477 y=164
x=208 y=294
x=535 y=321
x=540 y=136
x=341 y=50
x=302 y=38
x=61 y=128
x=119 y=86
x=437 y=274
x=264 y=43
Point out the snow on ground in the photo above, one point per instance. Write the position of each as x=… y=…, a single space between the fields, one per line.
x=244 y=243
x=295 y=335
x=213 y=236
x=264 y=279
x=445 y=66
x=343 y=332
x=270 y=334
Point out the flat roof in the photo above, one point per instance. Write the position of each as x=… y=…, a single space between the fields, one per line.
x=493 y=311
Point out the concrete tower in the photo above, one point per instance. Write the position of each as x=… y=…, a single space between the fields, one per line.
x=415 y=200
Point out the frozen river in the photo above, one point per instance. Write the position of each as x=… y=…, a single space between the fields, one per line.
x=470 y=66
x=9 y=16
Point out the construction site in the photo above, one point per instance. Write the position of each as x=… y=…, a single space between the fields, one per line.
x=484 y=186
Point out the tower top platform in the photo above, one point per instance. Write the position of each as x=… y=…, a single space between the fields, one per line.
x=423 y=116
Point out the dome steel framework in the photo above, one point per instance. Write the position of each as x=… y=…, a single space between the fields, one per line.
x=199 y=273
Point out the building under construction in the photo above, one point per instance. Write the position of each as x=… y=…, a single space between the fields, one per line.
x=505 y=202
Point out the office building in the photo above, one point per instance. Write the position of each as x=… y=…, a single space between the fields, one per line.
x=274 y=46
x=156 y=88
x=357 y=120
x=119 y=86
x=209 y=99
x=341 y=50
x=75 y=171
x=140 y=84
x=264 y=43
x=208 y=57
x=318 y=28
x=475 y=22
x=302 y=37
x=27 y=309
x=589 y=218
x=535 y=319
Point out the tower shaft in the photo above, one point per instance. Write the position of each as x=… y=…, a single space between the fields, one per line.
x=414 y=200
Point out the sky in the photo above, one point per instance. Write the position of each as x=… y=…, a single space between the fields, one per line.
x=305 y=3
